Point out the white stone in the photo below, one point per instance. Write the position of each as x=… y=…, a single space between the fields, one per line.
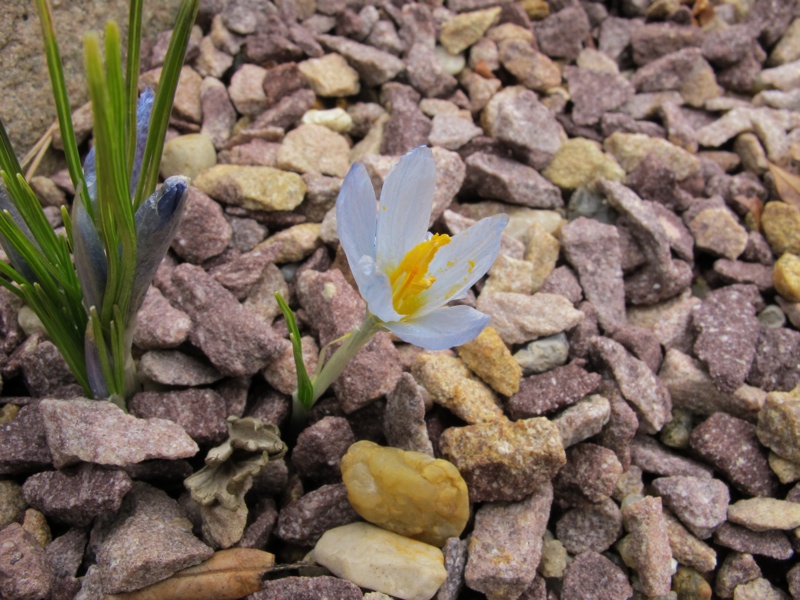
x=383 y=561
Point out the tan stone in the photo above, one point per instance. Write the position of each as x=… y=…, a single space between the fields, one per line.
x=380 y=560
x=719 y=232
x=781 y=224
x=330 y=76
x=188 y=155
x=253 y=188
x=491 y=360
x=579 y=162
x=763 y=514
x=409 y=493
x=35 y=523
x=542 y=251
x=503 y=460
x=461 y=31
x=510 y=275
x=451 y=384
x=786 y=470
x=779 y=424
x=786 y=277
x=297 y=242
x=687 y=549
x=312 y=148
x=632 y=148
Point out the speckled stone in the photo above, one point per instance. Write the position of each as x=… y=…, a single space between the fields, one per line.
x=479 y=453
x=490 y=359
x=779 y=424
x=404 y=417
x=591 y=576
x=519 y=318
x=583 y=420
x=76 y=496
x=777 y=356
x=455 y=560
x=730 y=445
x=652 y=457
x=23 y=442
x=590 y=527
x=502 y=560
x=592 y=248
x=377 y=559
x=148 y=540
x=308 y=588
x=12 y=502
x=727 y=333
x=687 y=549
x=620 y=428
x=542 y=394
x=691 y=388
x=772 y=543
x=406 y=492
x=172 y=367
x=319 y=449
x=87 y=430
x=763 y=514
x=451 y=385
x=314 y=149
x=700 y=503
x=670 y=320
x=543 y=354
x=24 y=571
x=630 y=149
x=638 y=384
x=736 y=568
x=591 y=473
x=758 y=589
x=303 y=521
x=158 y=324
x=717 y=231
x=646 y=547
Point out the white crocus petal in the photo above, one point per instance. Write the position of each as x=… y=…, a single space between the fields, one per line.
x=375 y=288
x=462 y=262
x=444 y=328
x=405 y=206
x=356 y=221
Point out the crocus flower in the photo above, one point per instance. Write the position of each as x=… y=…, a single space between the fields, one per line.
x=406 y=274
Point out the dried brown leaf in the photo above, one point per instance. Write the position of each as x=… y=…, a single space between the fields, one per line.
x=228 y=575
x=787 y=184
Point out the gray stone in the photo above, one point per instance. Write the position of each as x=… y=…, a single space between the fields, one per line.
x=203 y=232
x=731 y=446
x=594 y=93
x=592 y=249
x=542 y=394
x=24 y=572
x=700 y=503
x=223 y=329
x=148 y=540
x=89 y=430
x=320 y=447
x=158 y=324
x=305 y=520
x=404 y=418
x=590 y=527
x=308 y=588
x=375 y=66
x=172 y=367
x=201 y=412
x=77 y=496
x=591 y=576
x=23 y=442
x=562 y=34
x=521 y=543
x=496 y=177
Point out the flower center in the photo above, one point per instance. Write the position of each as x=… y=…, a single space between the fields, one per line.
x=411 y=276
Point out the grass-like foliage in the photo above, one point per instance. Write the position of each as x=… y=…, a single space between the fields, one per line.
x=87 y=287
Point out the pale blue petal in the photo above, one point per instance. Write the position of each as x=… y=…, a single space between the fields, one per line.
x=405 y=207
x=90 y=259
x=375 y=289
x=157 y=221
x=444 y=328
x=143 y=110
x=356 y=223
x=452 y=268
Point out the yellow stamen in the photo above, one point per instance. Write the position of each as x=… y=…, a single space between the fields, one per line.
x=411 y=276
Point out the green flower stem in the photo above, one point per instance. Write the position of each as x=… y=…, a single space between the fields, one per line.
x=334 y=366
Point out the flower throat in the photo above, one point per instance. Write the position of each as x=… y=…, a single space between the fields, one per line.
x=409 y=278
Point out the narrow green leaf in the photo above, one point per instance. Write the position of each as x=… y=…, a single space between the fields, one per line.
x=305 y=389
x=165 y=96
x=63 y=109
x=132 y=80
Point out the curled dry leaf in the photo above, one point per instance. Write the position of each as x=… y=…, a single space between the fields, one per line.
x=228 y=575
x=787 y=184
